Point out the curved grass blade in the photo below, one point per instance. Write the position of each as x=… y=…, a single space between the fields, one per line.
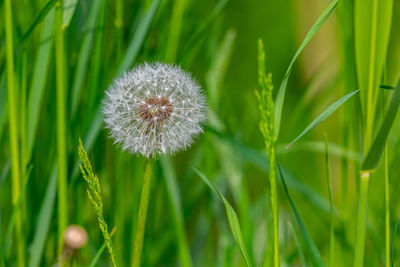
x=324 y=115
x=201 y=31
x=39 y=79
x=138 y=38
x=232 y=218
x=43 y=221
x=69 y=7
x=319 y=146
x=298 y=245
x=42 y=14
x=375 y=152
x=280 y=97
x=84 y=55
x=175 y=200
x=311 y=248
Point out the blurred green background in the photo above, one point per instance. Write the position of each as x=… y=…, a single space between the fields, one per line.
x=217 y=42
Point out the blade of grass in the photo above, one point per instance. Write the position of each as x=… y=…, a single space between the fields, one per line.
x=331 y=228
x=138 y=38
x=84 y=54
x=280 y=97
x=298 y=245
x=311 y=248
x=374 y=154
x=175 y=30
x=323 y=116
x=43 y=221
x=232 y=218
x=39 y=79
x=69 y=10
x=13 y=130
x=175 y=200
x=42 y=14
x=201 y=31
x=319 y=146
x=372 y=21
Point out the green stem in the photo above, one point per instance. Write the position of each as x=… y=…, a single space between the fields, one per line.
x=274 y=204
x=328 y=179
x=13 y=119
x=61 y=124
x=142 y=214
x=361 y=221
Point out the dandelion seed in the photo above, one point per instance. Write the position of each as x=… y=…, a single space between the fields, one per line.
x=154 y=108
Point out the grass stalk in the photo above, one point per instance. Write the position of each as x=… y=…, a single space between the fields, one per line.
x=142 y=214
x=361 y=220
x=267 y=127
x=175 y=30
x=387 y=208
x=13 y=129
x=387 y=197
x=61 y=124
x=331 y=228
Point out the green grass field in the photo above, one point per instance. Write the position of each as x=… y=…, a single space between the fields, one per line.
x=298 y=164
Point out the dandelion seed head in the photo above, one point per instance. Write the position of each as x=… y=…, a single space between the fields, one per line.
x=154 y=108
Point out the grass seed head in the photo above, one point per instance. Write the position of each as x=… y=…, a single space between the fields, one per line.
x=154 y=108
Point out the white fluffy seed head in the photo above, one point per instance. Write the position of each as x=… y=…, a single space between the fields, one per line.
x=153 y=109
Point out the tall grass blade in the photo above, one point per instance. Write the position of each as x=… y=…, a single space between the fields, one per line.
x=374 y=154
x=138 y=38
x=311 y=248
x=14 y=119
x=324 y=115
x=331 y=227
x=201 y=31
x=232 y=218
x=43 y=221
x=175 y=199
x=372 y=21
x=84 y=54
x=280 y=97
x=39 y=79
x=42 y=14
x=299 y=246
x=69 y=10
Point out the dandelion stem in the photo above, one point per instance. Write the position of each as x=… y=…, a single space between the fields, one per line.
x=142 y=214
x=15 y=156
x=61 y=124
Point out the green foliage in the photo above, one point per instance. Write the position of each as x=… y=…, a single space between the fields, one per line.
x=94 y=194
